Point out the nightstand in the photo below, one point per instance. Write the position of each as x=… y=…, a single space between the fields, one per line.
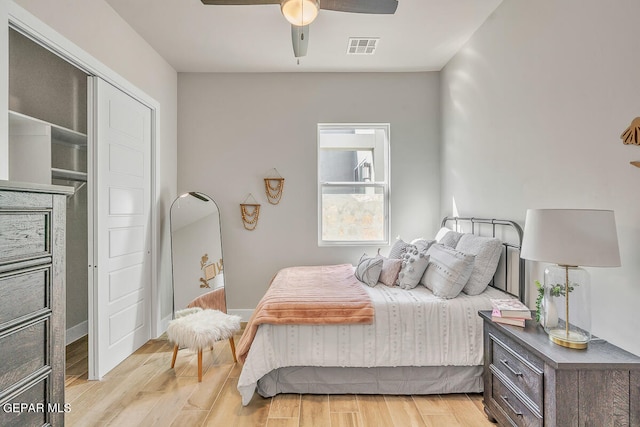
x=529 y=381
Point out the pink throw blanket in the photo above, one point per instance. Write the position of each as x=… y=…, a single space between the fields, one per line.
x=214 y=300
x=326 y=294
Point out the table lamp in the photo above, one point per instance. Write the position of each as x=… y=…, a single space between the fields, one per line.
x=570 y=238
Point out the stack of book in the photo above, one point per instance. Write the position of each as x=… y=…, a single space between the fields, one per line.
x=509 y=311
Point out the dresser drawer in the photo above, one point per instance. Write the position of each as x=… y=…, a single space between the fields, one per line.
x=24 y=235
x=23 y=353
x=522 y=374
x=23 y=294
x=512 y=407
x=29 y=408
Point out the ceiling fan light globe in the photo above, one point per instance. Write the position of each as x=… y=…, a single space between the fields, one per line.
x=300 y=12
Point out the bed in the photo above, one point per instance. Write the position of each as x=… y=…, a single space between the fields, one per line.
x=416 y=342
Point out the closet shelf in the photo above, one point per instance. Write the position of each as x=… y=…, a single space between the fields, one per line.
x=58 y=133
x=71 y=175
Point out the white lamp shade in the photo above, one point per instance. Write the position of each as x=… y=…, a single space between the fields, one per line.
x=574 y=237
x=300 y=12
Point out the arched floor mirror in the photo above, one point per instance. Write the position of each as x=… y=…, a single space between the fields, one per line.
x=196 y=253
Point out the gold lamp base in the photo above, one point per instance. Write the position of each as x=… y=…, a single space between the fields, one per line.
x=570 y=339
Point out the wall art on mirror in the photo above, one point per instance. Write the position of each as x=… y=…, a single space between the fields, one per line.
x=631 y=135
x=210 y=270
x=250 y=213
x=273 y=186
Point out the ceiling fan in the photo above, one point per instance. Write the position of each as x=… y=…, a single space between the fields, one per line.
x=300 y=13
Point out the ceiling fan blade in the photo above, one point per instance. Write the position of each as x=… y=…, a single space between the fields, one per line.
x=360 y=6
x=300 y=39
x=239 y=2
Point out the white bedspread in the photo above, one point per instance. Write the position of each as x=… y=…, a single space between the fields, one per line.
x=411 y=328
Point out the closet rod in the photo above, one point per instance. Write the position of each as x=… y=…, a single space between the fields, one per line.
x=68 y=174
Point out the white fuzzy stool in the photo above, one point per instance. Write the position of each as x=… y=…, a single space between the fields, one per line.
x=202 y=329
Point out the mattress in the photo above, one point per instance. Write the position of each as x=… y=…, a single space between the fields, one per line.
x=411 y=328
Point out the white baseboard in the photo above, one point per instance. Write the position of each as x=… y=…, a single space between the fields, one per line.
x=76 y=332
x=244 y=313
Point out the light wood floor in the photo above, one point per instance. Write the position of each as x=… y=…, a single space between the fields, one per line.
x=144 y=391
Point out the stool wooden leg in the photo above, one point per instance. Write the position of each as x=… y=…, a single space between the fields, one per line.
x=200 y=365
x=175 y=354
x=233 y=349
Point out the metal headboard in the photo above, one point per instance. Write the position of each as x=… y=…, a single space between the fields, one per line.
x=510 y=249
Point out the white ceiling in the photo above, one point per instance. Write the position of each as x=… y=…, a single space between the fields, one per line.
x=421 y=36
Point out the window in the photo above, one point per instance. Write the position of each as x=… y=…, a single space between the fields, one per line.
x=353 y=184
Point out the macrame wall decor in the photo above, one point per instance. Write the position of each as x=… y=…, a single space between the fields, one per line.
x=631 y=135
x=250 y=213
x=273 y=186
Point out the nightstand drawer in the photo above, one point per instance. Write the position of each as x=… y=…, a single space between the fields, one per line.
x=518 y=413
x=522 y=374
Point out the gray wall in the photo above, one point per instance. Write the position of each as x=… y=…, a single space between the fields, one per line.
x=234 y=128
x=532 y=111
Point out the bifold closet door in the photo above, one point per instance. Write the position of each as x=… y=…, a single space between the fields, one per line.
x=122 y=257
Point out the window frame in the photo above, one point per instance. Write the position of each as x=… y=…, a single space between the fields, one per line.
x=385 y=184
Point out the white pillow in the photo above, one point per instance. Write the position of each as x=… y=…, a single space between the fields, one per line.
x=414 y=264
x=448 y=271
x=487 y=251
x=448 y=237
x=422 y=244
x=368 y=270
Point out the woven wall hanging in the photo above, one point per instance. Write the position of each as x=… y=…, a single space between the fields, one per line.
x=273 y=186
x=250 y=213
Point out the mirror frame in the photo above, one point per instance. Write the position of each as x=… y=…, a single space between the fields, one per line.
x=219 y=266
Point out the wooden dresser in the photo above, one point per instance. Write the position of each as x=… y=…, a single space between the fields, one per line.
x=530 y=381
x=32 y=296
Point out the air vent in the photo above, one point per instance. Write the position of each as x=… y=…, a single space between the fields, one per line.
x=362 y=46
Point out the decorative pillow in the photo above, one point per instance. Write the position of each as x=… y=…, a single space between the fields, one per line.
x=368 y=270
x=398 y=249
x=448 y=271
x=448 y=237
x=487 y=251
x=414 y=264
x=390 y=269
x=422 y=244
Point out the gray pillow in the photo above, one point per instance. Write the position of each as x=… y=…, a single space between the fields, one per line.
x=368 y=270
x=398 y=249
x=448 y=271
x=487 y=251
x=414 y=264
